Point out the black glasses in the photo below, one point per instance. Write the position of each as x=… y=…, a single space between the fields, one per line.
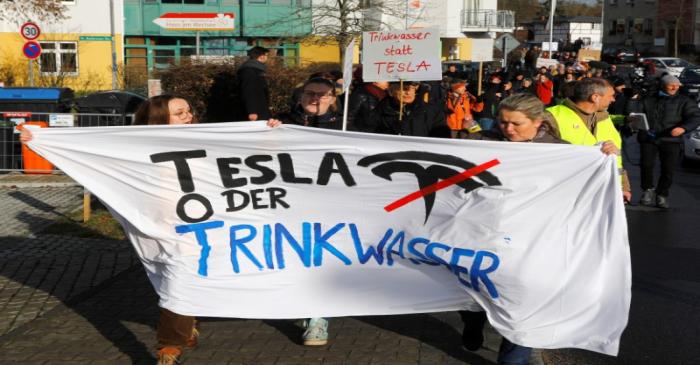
x=311 y=94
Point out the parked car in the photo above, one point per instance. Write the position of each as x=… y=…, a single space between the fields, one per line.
x=617 y=55
x=691 y=147
x=690 y=79
x=107 y=108
x=668 y=65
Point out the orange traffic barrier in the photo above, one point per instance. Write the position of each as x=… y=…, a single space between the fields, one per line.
x=33 y=163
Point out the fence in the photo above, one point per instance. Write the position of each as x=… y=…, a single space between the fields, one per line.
x=11 y=154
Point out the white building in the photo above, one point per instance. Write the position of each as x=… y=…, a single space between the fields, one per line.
x=464 y=24
x=567 y=30
x=76 y=50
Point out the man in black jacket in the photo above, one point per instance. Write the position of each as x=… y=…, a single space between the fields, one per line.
x=253 y=92
x=670 y=115
x=416 y=118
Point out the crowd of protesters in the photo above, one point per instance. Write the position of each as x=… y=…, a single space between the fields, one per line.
x=567 y=102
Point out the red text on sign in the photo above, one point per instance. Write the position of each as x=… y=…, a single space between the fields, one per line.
x=405 y=49
x=389 y=67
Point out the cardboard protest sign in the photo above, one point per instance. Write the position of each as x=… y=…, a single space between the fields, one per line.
x=546 y=62
x=240 y=220
x=410 y=55
x=588 y=55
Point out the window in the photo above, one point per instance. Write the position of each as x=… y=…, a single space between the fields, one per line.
x=190 y=2
x=59 y=58
x=257 y=1
x=638 y=25
x=620 y=26
x=613 y=2
x=648 y=24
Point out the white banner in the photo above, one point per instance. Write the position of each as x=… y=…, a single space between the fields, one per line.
x=239 y=220
x=409 y=55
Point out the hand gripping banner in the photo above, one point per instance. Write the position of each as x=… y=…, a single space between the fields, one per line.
x=240 y=220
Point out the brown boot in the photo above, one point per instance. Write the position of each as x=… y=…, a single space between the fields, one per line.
x=192 y=341
x=169 y=355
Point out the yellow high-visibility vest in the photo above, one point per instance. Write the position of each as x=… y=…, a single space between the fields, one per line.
x=573 y=130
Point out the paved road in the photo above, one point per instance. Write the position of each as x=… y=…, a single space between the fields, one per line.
x=38 y=272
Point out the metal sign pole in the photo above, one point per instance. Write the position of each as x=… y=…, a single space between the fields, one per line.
x=478 y=85
x=401 y=100
x=31 y=73
x=197 y=42
x=114 y=47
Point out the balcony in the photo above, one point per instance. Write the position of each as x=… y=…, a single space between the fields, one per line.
x=488 y=20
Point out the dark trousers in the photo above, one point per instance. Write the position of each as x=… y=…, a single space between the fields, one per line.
x=508 y=353
x=668 y=155
x=173 y=329
x=512 y=354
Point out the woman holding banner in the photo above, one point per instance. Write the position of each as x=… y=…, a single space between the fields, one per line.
x=316 y=106
x=174 y=331
x=521 y=118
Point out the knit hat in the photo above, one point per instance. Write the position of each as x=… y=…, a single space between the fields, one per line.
x=618 y=82
x=669 y=79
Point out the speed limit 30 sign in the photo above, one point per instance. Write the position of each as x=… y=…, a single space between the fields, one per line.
x=30 y=31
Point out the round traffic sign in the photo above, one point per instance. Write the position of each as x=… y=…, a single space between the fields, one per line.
x=30 y=31
x=31 y=50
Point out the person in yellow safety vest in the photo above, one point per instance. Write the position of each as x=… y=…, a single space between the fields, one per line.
x=583 y=119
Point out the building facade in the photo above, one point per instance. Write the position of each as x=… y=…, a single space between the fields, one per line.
x=652 y=26
x=274 y=24
x=630 y=23
x=463 y=24
x=76 y=51
x=567 y=30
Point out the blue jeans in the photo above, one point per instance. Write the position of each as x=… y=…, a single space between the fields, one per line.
x=512 y=354
x=486 y=123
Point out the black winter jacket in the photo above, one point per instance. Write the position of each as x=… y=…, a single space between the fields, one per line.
x=253 y=92
x=419 y=119
x=666 y=112
x=330 y=120
x=360 y=106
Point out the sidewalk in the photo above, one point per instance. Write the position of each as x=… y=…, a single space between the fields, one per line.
x=68 y=300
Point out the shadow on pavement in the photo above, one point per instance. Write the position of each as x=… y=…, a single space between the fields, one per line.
x=40 y=272
x=435 y=333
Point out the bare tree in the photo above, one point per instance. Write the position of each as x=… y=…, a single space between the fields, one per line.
x=19 y=11
x=676 y=27
x=339 y=21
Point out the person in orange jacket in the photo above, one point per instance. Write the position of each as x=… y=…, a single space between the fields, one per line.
x=460 y=105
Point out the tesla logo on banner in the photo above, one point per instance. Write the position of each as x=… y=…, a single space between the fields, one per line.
x=196 y=21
